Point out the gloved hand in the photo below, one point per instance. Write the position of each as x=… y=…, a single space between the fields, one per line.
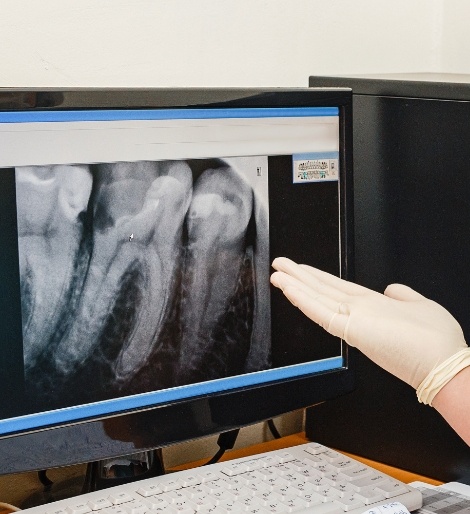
x=408 y=335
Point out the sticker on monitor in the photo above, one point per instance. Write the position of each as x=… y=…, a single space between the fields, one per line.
x=315 y=167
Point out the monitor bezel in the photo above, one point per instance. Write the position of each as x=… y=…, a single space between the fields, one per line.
x=165 y=424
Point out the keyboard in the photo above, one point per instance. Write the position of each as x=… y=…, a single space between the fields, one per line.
x=309 y=478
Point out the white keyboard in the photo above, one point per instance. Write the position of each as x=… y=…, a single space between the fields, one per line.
x=309 y=478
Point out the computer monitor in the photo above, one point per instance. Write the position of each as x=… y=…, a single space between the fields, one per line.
x=138 y=227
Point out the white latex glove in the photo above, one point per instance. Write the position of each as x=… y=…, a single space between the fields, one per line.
x=408 y=335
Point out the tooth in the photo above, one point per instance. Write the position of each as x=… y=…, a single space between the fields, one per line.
x=148 y=200
x=49 y=236
x=217 y=221
x=75 y=190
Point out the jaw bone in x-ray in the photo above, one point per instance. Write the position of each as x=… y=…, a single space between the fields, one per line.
x=136 y=276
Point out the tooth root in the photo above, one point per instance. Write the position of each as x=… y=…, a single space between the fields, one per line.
x=217 y=221
x=148 y=200
x=259 y=355
x=48 y=243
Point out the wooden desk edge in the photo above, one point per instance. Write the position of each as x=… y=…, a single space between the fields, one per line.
x=295 y=440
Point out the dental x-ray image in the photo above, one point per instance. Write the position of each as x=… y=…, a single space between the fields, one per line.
x=138 y=276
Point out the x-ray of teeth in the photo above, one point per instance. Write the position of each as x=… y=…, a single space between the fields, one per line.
x=50 y=230
x=217 y=222
x=143 y=275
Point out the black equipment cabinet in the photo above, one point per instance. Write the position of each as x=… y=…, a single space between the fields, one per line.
x=411 y=141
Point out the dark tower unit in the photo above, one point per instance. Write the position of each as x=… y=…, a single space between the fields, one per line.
x=411 y=146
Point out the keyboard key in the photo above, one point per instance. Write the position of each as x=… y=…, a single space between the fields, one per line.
x=334 y=478
x=268 y=497
x=270 y=460
x=315 y=448
x=356 y=472
x=285 y=456
x=325 y=468
x=170 y=485
x=203 y=502
x=343 y=463
x=230 y=508
x=236 y=481
x=266 y=474
x=99 y=503
x=259 y=486
x=331 y=456
x=295 y=504
x=78 y=508
x=250 y=478
x=349 y=503
x=369 y=495
x=391 y=489
x=312 y=498
x=328 y=494
x=176 y=495
x=312 y=460
x=304 y=487
x=194 y=490
x=309 y=474
x=252 y=465
x=114 y=510
x=213 y=487
x=224 y=495
x=208 y=476
x=138 y=507
x=286 y=491
x=149 y=490
x=329 y=508
x=297 y=465
x=372 y=480
x=191 y=480
x=234 y=469
x=59 y=510
x=164 y=510
x=156 y=501
x=282 y=469
x=184 y=507
x=294 y=478
x=120 y=497
x=319 y=483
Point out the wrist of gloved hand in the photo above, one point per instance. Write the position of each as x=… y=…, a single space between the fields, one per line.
x=442 y=375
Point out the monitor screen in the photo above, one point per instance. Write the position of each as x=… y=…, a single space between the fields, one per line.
x=135 y=263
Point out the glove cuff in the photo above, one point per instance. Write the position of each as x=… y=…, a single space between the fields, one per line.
x=441 y=375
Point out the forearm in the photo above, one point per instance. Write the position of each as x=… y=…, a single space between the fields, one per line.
x=453 y=403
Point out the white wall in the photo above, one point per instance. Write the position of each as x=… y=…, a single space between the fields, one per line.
x=455 y=37
x=211 y=42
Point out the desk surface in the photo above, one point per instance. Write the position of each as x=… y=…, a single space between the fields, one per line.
x=296 y=439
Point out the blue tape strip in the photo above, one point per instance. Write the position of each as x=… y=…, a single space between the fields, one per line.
x=76 y=413
x=315 y=155
x=163 y=114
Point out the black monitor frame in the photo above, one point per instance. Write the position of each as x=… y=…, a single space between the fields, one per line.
x=162 y=425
